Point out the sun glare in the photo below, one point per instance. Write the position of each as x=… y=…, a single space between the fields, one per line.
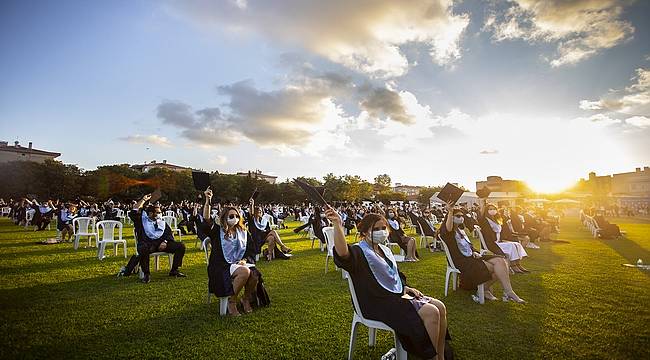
x=549 y=185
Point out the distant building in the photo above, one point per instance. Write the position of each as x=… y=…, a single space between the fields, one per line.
x=159 y=165
x=257 y=174
x=595 y=185
x=410 y=191
x=498 y=184
x=632 y=183
x=629 y=189
x=19 y=153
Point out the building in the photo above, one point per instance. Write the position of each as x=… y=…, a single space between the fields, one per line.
x=595 y=185
x=498 y=184
x=633 y=188
x=19 y=153
x=410 y=191
x=159 y=165
x=258 y=175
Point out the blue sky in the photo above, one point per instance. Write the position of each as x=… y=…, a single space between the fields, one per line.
x=427 y=91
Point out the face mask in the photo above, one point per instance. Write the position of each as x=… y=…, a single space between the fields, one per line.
x=322 y=216
x=232 y=222
x=492 y=212
x=379 y=236
x=391 y=215
x=458 y=220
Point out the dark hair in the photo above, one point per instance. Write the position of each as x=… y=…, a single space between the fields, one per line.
x=151 y=208
x=368 y=222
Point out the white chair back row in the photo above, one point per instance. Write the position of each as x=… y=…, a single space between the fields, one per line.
x=107 y=230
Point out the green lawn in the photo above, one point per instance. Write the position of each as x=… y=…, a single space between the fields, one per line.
x=59 y=303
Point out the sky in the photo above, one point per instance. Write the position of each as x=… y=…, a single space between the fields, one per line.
x=427 y=91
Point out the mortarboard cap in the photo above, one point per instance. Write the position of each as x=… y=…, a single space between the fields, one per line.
x=450 y=193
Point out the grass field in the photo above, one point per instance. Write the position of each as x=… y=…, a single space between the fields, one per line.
x=59 y=303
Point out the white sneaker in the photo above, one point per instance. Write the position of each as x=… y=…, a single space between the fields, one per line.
x=532 y=246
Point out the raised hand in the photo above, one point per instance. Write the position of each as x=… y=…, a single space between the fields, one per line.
x=333 y=216
x=208 y=193
x=146 y=197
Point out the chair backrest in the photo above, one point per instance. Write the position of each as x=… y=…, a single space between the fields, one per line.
x=29 y=215
x=450 y=261
x=477 y=229
x=120 y=213
x=206 y=243
x=169 y=213
x=353 y=294
x=81 y=225
x=171 y=221
x=107 y=229
x=328 y=232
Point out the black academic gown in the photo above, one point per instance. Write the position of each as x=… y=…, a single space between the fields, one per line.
x=219 y=279
x=473 y=272
x=489 y=235
x=379 y=304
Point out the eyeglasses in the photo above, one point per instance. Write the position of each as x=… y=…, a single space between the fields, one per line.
x=233 y=216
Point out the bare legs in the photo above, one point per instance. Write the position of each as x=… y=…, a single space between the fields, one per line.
x=241 y=278
x=498 y=267
x=272 y=239
x=410 y=250
x=434 y=317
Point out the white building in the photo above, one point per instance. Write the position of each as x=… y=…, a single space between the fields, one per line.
x=19 y=153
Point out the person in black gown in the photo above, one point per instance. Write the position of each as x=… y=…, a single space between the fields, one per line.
x=419 y=321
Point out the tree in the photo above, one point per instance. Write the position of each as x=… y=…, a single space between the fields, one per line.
x=382 y=183
x=426 y=193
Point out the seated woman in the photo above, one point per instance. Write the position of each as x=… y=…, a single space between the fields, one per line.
x=607 y=229
x=474 y=268
x=398 y=236
x=232 y=259
x=419 y=321
x=260 y=228
x=491 y=224
x=64 y=222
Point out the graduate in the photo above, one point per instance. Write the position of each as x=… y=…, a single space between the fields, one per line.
x=64 y=221
x=260 y=228
x=231 y=266
x=491 y=224
x=398 y=236
x=419 y=321
x=475 y=269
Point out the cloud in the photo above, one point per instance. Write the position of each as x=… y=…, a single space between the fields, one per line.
x=633 y=100
x=639 y=121
x=580 y=28
x=386 y=102
x=147 y=139
x=489 y=152
x=363 y=35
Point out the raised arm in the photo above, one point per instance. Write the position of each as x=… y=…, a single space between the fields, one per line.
x=449 y=224
x=206 y=207
x=481 y=207
x=141 y=202
x=340 y=245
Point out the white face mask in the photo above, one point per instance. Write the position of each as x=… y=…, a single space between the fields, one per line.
x=379 y=236
x=492 y=212
x=159 y=217
x=391 y=215
x=458 y=220
x=232 y=222
x=322 y=216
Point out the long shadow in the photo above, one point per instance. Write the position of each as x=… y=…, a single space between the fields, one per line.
x=629 y=250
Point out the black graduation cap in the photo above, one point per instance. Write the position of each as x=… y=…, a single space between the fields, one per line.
x=201 y=180
x=313 y=193
x=483 y=193
x=155 y=196
x=450 y=193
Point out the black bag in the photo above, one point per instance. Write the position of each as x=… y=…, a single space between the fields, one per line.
x=260 y=296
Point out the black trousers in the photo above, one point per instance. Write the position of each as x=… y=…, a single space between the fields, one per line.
x=173 y=247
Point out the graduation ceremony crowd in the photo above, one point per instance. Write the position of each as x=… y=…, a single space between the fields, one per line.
x=241 y=235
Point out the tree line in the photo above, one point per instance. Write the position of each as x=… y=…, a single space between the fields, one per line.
x=55 y=180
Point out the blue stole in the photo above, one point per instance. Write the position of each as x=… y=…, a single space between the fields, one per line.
x=385 y=273
x=151 y=228
x=233 y=247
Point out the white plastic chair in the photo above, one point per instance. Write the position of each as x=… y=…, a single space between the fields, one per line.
x=424 y=238
x=6 y=211
x=107 y=230
x=120 y=215
x=328 y=232
x=156 y=255
x=479 y=234
x=170 y=213
x=83 y=226
x=272 y=223
x=453 y=272
x=29 y=216
x=223 y=301
x=398 y=257
x=173 y=224
x=372 y=325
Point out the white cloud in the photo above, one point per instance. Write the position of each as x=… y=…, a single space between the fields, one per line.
x=147 y=139
x=639 y=121
x=633 y=100
x=364 y=35
x=580 y=28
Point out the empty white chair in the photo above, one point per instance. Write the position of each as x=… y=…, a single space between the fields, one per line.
x=29 y=216
x=6 y=211
x=172 y=222
x=223 y=301
x=328 y=232
x=425 y=239
x=170 y=213
x=120 y=215
x=271 y=222
x=107 y=230
x=156 y=255
x=372 y=325
x=83 y=226
x=401 y=256
x=453 y=272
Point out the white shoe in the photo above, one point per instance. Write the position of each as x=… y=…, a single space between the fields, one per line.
x=532 y=246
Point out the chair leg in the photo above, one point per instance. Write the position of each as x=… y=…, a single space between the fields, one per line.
x=327 y=261
x=401 y=353
x=454 y=280
x=209 y=297
x=372 y=337
x=447 y=282
x=156 y=261
x=124 y=246
x=481 y=294
x=223 y=306
x=100 y=251
x=76 y=242
x=353 y=338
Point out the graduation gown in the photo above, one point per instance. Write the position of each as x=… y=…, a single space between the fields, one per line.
x=473 y=272
x=219 y=279
x=489 y=236
x=377 y=303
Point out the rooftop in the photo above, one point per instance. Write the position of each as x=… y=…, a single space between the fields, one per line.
x=4 y=146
